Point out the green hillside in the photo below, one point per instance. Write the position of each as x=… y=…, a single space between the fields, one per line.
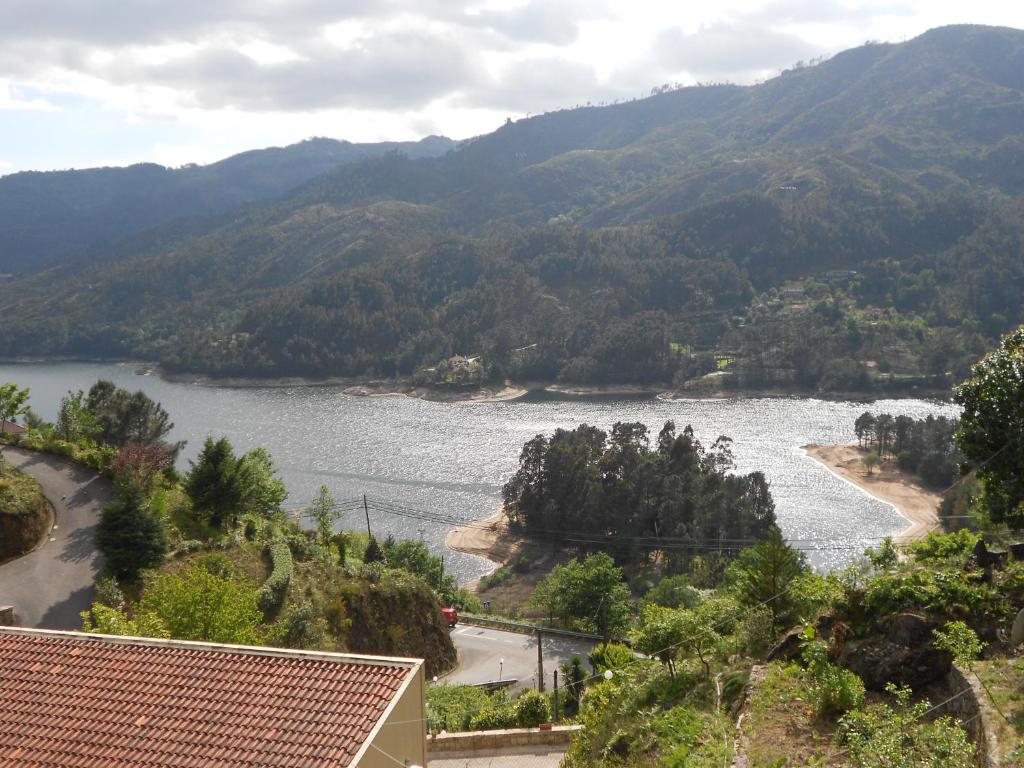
x=844 y=226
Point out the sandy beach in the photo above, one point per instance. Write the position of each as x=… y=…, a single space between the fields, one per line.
x=488 y=538
x=915 y=503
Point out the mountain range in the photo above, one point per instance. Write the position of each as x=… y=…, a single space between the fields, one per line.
x=841 y=225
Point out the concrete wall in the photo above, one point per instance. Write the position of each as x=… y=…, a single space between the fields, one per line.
x=403 y=735
x=488 y=742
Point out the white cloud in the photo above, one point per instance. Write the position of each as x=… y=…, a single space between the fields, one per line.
x=204 y=76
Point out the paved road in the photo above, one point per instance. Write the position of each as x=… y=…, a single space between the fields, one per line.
x=482 y=649
x=50 y=586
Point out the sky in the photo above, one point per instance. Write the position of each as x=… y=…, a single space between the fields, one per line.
x=87 y=83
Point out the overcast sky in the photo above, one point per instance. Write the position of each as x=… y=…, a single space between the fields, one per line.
x=111 y=82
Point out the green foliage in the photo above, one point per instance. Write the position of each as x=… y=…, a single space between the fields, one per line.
x=494 y=718
x=106 y=620
x=452 y=707
x=832 y=689
x=531 y=709
x=415 y=558
x=300 y=626
x=129 y=535
x=323 y=514
x=884 y=558
x=900 y=737
x=610 y=656
x=943 y=547
x=991 y=426
x=764 y=574
x=75 y=422
x=942 y=591
x=373 y=552
x=590 y=595
x=123 y=417
x=197 y=604
x=609 y=483
x=272 y=594
x=13 y=401
x=495 y=578
x=922 y=446
x=673 y=592
x=214 y=485
x=960 y=641
x=263 y=491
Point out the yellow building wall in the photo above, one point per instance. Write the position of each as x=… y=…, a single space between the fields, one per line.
x=402 y=738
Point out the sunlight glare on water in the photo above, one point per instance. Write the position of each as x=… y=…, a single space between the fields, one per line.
x=454 y=458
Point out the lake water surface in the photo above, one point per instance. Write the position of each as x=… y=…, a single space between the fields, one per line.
x=454 y=458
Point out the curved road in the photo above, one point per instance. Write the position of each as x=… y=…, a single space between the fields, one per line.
x=486 y=655
x=51 y=585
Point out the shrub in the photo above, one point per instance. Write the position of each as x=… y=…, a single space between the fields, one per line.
x=495 y=578
x=946 y=592
x=532 y=709
x=898 y=737
x=673 y=592
x=494 y=719
x=272 y=593
x=451 y=707
x=833 y=690
x=937 y=547
x=610 y=656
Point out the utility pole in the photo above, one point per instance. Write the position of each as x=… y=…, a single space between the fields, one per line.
x=555 y=714
x=366 y=509
x=540 y=662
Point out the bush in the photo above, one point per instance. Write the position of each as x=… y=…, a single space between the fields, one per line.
x=833 y=690
x=494 y=719
x=673 y=592
x=899 y=736
x=946 y=592
x=532 y=709
x=938 y=547
x=451 y=707
x=495 y=578
x=610 y=656
x=271 y=595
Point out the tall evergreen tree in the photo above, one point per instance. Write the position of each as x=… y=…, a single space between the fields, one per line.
x=129 y=536
x=214 y=485
x=763 y=574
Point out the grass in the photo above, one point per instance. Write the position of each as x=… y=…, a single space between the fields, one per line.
x=782 y=727
x=19 y=493
x=1005 y=679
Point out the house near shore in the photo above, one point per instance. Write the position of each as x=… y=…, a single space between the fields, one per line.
x=79 y=700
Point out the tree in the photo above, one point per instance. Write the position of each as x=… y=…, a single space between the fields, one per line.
x=213 y=484
x=322 y=512
x=138 y=465
x=129 y=536
x=660 y=634
x=864 y=428
x=590 y=595
x=129 y=417
x=373 y=553
x=762 y=574
x=870 y=461
x=13 y=401
x=263 y=491
x=75 y=422
x=106 y=620
x=197 y=604
x=991 y=434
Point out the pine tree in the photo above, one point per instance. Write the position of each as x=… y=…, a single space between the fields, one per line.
x=214 y=484
x=129 y=536
x=762 y=575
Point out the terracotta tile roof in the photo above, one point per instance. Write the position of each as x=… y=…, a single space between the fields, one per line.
x=74 y=700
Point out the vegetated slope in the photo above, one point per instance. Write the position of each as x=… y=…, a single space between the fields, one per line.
x=616 y=243
x=50 y=218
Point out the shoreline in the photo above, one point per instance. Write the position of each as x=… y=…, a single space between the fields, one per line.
x=913 y=502
x=369 y=387
x=487 y=538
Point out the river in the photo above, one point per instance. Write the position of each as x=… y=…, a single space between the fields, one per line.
x=454 y=458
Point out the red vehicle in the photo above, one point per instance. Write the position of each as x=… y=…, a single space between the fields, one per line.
x=451 y=615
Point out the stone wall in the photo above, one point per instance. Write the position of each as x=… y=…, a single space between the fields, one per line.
x=475 y=743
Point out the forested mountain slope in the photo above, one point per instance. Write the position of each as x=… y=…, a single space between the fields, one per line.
x=50 y=218
x=840 y=224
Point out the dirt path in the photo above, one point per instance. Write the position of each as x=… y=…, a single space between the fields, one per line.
x=51 y=585
x=915 y=503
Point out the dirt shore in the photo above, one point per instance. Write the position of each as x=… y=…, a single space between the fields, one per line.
x=915 y=503
x=488 y=538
